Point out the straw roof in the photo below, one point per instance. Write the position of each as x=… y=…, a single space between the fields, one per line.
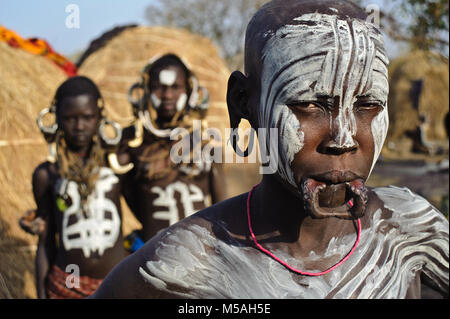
x=433 y=69
x=115 y=60
x=27 y=83
x=116 y=65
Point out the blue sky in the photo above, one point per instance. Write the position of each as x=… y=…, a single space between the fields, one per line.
x=47 y=19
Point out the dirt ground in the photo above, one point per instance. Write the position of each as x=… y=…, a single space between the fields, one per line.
x=428 y=179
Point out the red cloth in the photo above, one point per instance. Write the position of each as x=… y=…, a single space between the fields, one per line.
x=57 y=289
x=39 y=47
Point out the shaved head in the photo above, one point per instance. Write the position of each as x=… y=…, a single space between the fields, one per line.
x=299 y=51
x=275 y=14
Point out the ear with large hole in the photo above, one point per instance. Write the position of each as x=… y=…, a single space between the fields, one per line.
x=136 y=95
x=52 y=154
x=237 y=98
x=49 y=131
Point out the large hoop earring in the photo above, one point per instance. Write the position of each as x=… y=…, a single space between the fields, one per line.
x=46 y=130
x=138 y=103
x=146 y=120
x=118 y=132
x=52 y=156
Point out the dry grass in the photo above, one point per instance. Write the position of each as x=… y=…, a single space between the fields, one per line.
x=27 y=84
x=117 y=65
x=434 y=100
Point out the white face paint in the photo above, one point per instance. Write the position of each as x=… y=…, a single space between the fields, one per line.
x=321 y=55
x=181 y=103
x=167 y=77
x=156 y=101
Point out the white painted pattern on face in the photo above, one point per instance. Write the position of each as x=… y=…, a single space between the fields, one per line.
x=320 y=55
x=156 y=101
x=167 y=77
x=181 y=102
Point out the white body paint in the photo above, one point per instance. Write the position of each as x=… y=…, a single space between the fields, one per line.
x=331 y=57
x=96 y=232
x=192 y=263
x=190 y=194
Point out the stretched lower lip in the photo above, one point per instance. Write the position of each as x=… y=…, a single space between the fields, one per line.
x=317 y=202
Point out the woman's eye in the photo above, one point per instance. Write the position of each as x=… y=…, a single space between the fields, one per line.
x=304 y=105
x=68 y=119
x=368 y=106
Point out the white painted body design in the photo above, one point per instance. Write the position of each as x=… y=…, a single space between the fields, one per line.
x=96 y=232
x=320 y=55
x=195 y=264
x=190 y=194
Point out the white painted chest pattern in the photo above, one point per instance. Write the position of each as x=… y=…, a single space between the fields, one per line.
x=101 y=228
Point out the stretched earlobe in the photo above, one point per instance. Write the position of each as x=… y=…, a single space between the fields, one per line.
x=237 y=98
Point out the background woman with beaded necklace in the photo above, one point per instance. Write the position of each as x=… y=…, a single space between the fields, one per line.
x=77 y=195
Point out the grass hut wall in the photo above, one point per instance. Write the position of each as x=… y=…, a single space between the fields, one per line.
x=27 y=85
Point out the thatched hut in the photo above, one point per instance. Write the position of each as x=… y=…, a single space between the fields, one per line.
x=419 y=95
x=116 y=65
x=27 y=84
x=114 y=62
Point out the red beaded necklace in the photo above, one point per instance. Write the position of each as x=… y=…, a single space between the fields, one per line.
x=304 y=273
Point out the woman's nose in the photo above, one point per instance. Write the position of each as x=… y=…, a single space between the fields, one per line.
x=340 y=138
x=79 y=124
x=167 y=93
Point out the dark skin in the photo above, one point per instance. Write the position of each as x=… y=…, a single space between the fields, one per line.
x=78 y=117
x=79 y=127
x=294 y=229
x=280 y=220
x=168 y=94
x=143 y=205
